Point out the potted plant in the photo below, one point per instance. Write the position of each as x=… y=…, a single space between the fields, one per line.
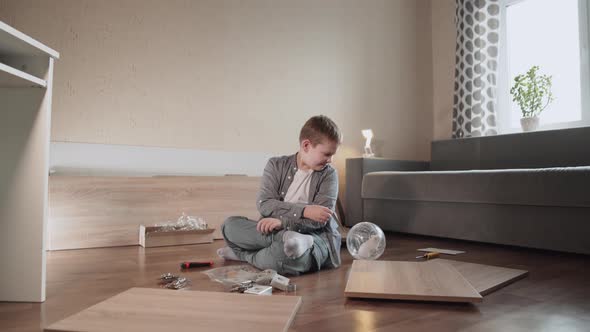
x=532 y=93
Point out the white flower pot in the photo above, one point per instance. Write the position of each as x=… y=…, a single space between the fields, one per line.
x=529 y=124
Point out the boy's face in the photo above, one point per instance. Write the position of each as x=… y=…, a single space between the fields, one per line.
x=317 y=157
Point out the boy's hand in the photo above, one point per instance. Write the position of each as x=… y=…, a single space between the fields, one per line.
x=317 y=213
x=267 y=225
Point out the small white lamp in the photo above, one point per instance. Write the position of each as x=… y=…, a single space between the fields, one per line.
x=368 y=135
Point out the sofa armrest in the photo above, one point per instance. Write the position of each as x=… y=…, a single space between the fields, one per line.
x=356 y=168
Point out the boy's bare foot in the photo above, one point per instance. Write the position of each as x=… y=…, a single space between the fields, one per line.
x=296 y=244
x=227 y=254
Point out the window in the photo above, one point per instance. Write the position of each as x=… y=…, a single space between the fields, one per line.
x=554 y=36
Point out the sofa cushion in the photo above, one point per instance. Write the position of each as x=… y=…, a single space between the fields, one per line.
x=559 y=186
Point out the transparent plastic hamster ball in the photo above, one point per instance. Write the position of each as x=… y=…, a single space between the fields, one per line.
x=366 y=241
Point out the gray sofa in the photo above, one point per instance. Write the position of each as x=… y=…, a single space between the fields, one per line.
x=530 y=190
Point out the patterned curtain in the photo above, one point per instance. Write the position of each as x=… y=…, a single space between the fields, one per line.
x=476 y=67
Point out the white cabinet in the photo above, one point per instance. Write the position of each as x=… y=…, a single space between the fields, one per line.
x=26 y=84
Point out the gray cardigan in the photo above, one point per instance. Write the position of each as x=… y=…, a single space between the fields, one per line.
x=323 y=190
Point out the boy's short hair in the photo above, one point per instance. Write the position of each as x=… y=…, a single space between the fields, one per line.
x=319 y=128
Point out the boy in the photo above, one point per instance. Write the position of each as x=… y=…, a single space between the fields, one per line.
x=297 y=232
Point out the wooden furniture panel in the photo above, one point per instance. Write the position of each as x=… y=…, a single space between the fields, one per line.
x=87 y=212
x=146 y=309
x=485 y=278
x=434 y=281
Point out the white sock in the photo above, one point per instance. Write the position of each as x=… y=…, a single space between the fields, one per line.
x=227 y=254
x=295 y=244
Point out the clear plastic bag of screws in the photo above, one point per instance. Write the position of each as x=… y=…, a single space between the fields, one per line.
x=235 y=277
x=233 y=274
x=184 y=223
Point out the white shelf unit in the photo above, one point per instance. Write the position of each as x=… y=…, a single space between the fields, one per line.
x=26 y=87
x=14 y=78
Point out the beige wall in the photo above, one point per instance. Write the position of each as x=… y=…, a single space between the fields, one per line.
x=443 y=61
x=238 y=75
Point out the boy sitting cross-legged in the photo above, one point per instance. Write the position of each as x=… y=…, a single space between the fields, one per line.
x=297 y=232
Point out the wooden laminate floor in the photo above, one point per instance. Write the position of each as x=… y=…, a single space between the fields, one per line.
x=554 y=297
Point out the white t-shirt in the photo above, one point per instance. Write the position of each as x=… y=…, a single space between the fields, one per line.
x=298 y=191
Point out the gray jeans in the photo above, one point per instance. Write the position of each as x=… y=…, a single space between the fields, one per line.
x=266 y=251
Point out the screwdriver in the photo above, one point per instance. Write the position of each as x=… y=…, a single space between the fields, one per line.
x=188 y=265
x=429 y=255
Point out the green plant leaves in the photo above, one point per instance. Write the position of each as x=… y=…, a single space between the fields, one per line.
x=532 y=92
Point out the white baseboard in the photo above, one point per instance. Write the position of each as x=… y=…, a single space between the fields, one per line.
x=126 y=160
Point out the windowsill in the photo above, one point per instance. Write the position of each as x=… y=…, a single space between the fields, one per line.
x=519 y=132
x=547 y=127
